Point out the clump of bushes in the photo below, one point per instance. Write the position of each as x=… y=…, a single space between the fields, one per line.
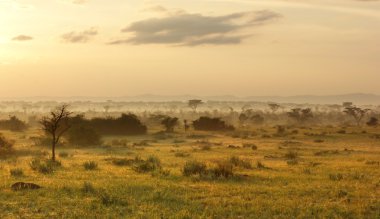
x=17 y=172
x=83 y=136
x=13 y=124
x=248 y=145
x=87 y=188
x=153 y=163
x=126 y=124
x=205 y=123
x=223 y=169
x=44 y=166
x=181 y=154
x=90 y=165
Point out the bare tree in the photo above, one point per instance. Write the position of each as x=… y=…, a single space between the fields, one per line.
x=357 y=113
x=193 y=104
x=56 y=125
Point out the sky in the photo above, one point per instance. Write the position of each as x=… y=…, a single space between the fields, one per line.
x=197 y=47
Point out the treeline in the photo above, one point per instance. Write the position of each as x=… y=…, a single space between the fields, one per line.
x=13 y=124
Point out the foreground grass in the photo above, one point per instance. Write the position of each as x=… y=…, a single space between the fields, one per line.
x=338 y=177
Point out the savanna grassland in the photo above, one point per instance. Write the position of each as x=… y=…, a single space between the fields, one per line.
x=263 y=172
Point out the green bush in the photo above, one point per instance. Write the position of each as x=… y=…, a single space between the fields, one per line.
x=45 y=166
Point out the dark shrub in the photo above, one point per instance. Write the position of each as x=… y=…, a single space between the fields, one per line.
x=211 y=124
x=194 y=168
x=126 y=124
x=223 y=169
x=169 y=123
x=13 y=124
x=5 y=145
x=151 y=164
x=17 y=172
x=90 y=165
x=238 y=162
x=44 y=167
x=83 y=136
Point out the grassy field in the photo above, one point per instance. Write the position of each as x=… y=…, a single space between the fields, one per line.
x=318 y=172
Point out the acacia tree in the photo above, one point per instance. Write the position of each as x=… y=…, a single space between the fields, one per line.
x=193 y=104
x=169 y=123
x=274 y=107
x=357 y=113
x=56 y=124
x=301 y=115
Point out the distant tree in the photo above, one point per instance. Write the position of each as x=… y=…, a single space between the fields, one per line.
x=274 y=107
x=169 y=123
x=300 y=115
x=357 y=113
x=249 y=115
x=106 y=108
x=347 y=104
x=56 y=125
x=193 y=104
x=373 y=122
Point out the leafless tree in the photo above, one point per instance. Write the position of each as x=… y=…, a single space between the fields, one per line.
x=56 y=124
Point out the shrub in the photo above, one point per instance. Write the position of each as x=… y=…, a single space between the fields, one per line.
x=83 y=136
x=260 y=165
x=44 y=167
x=181 y=154
x=151 y=164
x=238 y=162
x=211 y=124
x=336 y=177
x=90 y=165
x=13 y=124
x=291 y=155
x=63 y=154
x=126 y=124
x=87 y=188
x=253 y=146
x=5 y=145
x=223 y=169
x=17 y=172
x=194 y=168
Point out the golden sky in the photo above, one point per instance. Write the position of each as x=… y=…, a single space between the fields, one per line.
x=200 y=47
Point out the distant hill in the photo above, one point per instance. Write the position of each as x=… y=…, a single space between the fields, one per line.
x=356 y=98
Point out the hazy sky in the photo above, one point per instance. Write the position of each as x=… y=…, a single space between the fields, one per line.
x=201 y=47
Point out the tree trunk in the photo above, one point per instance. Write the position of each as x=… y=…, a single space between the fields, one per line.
x=53 y=150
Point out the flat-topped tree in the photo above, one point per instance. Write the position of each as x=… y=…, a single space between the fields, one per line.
x=357 y=113
x=56 y=124
x=193 y=104
x=274 y=107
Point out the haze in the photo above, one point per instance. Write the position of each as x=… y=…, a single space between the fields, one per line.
x=199 y=47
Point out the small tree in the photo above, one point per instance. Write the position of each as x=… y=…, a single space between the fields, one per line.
x=56 y=125
x=357 y=113
x=169 y=123
x=193 y=104
x=274 y=107
x=301 y=115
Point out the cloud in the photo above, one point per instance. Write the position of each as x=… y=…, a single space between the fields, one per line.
x=79 y=37
x=187 y=29
x=22 y=38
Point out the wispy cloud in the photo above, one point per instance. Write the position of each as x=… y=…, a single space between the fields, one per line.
x=186 y=29
x=22 y=38
x=79 y=37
